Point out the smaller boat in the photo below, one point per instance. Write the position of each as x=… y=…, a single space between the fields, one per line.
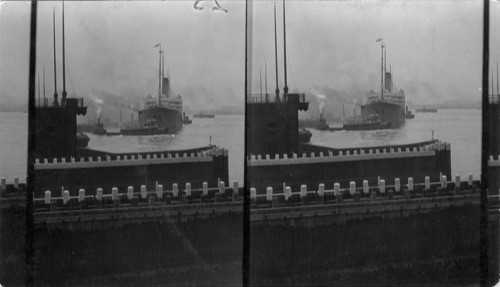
x=321 y=125
x=304 y=136
x=185 y=119
x=201 y=115
x=82 y=140
x=99 y=129
x=147 y=129
x=371 y=123
x=426 y=110
x=409 y=114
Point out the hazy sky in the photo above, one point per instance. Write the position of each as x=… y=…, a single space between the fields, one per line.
x=434 y=47
x=109 y=50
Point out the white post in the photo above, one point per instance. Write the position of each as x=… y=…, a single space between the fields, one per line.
x=397 y=185
x=98 y=194
x=175 y=189
x=221 y=187
x=205 y=188
x=114 y=193
x=130 y=192
x=366 y=188
x=336 y=188
x=48 y=196
x=382 y=186
x=81 y=195
x=352 y=187
x=288 y=192
x=144 y=193
x=253 y=193
x=65 y=196
x=457 y=180
x=444 y=180
x=159 y=190
x=321 y=189
x=303 y=191
x=188 y=189
x=427 y=182
x=269 y=193
x=410 y=183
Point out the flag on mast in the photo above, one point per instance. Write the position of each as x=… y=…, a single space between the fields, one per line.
x=157 y=45
x=379 y=39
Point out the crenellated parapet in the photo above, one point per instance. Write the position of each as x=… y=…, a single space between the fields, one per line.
x=153 y=158
x=346 y=156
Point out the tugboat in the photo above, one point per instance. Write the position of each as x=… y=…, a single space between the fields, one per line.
x=426 y=110
x=147 y=129
x=409 y=114
x=201 y=115
x=165 y=110
x=321 y=125
x=185 y=119
x=99 y=128
x=388 y=104
x=371 y=123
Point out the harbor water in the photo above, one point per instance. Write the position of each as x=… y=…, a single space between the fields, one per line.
x=460 y=128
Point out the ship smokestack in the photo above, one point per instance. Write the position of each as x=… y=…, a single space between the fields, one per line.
x=285 y=89
x=55 y=69
x=64 y=94
x=277 y=91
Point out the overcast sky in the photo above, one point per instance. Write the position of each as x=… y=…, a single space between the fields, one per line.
x=434 y=47
x=109 y=49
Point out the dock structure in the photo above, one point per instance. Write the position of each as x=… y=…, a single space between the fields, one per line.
x=166 y=231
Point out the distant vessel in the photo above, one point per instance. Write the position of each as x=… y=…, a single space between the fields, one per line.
x=99 y=128
x=409 y=114
x=388 y=104
x=201 y=115
x=321 y=124
x=371 y=123
x=165 y=110
x=185 y=119
x=304 y=136
x=426 y=110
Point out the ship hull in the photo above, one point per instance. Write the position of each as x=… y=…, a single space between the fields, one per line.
x=164 y=118
x=389 y=113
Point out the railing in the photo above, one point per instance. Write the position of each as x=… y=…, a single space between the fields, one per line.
x=51 y=103
x=271 y=98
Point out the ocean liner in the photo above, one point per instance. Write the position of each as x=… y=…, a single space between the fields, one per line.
x=389 y=104
x=165 y=110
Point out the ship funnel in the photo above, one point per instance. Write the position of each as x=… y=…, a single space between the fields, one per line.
x=166 y=87
x=388 y=82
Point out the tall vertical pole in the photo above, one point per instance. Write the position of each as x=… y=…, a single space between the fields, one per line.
x=55 y=67
x=44 y=83
x=260 y=81
x=277 y=91
x=385 y=66
x=63 y=99
x=265 y=74
x=382 y=72
x=285 y=89
x=38 y=87
x=497 y=80
x=162 y=71
x=29 y=234
x=159 y=77
x=492 y=90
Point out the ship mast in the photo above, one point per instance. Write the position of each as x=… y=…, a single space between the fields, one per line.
x=162 y=70
x=260 y=81
x=277 y=91
x=265 y=75
x=63 y=100
x=382 y=71
x=159 y=77
x=38 y=87
x=497 y=79
x=285 y=89
x=44 y=84
x=55 y=73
